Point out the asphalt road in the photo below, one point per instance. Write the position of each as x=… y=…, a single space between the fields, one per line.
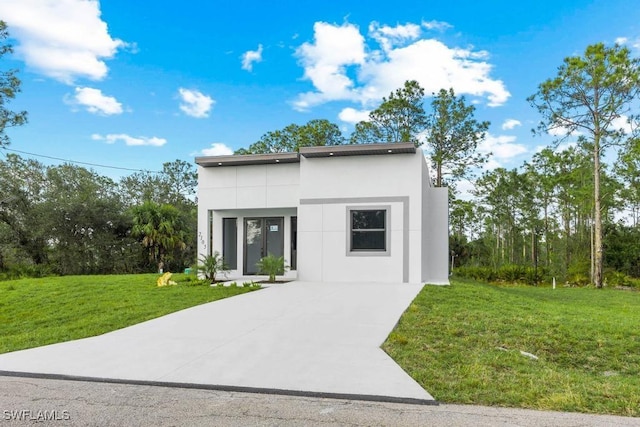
x=30 y=401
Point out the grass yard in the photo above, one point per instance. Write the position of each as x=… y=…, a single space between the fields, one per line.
x=35 y=312
x=462 y=343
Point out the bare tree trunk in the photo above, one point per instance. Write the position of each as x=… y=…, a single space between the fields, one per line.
x=597 y=217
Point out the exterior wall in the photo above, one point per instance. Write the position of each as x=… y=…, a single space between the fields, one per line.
x=435 y=232
x=319 y=191
x=333 y=184
x=246 y=191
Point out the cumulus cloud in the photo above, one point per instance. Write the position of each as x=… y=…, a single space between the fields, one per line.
x=343 y=66
x=325 y=61
x=217 y=149
x=96 y=102
x=195 y=103
x=251 y=56
x=503 y=147
x=511 y=124
x=112 y=138
x=388 y=37
x=62 y=39
x=353 y=116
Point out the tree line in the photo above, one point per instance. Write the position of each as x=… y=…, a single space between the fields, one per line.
x=67 y=219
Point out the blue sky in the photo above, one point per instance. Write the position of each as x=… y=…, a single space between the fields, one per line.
x=135 y=84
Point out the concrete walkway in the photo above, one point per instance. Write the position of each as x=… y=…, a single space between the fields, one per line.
x=316 y=339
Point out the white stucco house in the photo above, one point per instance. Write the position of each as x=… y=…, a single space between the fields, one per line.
x=336 y=213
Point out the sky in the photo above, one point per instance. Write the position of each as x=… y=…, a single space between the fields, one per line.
x=135 y=84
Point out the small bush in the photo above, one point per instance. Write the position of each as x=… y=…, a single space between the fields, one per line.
x=272 y=265
x=211 y=265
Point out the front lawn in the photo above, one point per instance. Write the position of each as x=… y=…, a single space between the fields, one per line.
x=463 y=344
x=36 y=312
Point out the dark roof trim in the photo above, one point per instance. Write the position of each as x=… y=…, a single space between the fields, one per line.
x=358 y=150
x=307 y=152
x=248 y=159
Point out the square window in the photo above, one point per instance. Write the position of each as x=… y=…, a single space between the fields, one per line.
x=368 y=229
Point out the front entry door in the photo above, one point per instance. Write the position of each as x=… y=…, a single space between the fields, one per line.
x=262 y=236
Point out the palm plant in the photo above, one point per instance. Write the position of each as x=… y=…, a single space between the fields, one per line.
x=272 y=265
x=211 y=265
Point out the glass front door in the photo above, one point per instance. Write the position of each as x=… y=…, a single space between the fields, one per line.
x=262 y=236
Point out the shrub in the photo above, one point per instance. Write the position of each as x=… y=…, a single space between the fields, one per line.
x=272 y=265
x=211 y=265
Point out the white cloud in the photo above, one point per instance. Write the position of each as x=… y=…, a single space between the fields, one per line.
x=622 y=123
x=112 y=138
x=217 y=149
x=503 y=148
x=626 y=41
x=388 y=37
x=562 y=131
x=195 y=103
x=325 y=60
x=511 y=124
x=251 y=56
x=343 y=67
x=62 y=39
x=353 y=116
x=96 y=102
x=436 y=25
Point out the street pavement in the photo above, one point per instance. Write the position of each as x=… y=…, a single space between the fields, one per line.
x=80 y=403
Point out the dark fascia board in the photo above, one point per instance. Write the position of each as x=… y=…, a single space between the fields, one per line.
x=247 y=159
x=358 y=150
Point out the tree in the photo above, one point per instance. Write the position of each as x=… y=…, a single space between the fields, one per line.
x=82 y=219
x=399 y=118
x=589 y=96
x=317 y=132
x=161 y=230
x=9 y=86
x=453 y=135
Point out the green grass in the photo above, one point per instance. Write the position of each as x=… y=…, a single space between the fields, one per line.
x=35 y=312
x=462 y=343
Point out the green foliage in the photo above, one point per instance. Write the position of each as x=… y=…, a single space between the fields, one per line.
x=589 y=95
x=272 y=265
x=9 y=87
x=399 y=118
x=505 y=274
x=36 y=312
x=211 y=265
x=463 y=344
x=317 y=132
x=161 y=230
x=453 y=135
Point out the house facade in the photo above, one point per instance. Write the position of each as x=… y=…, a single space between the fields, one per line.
x=354 y=213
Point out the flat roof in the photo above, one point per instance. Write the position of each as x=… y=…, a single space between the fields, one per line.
x=247 y=159
x=307 y=152
x=358 y=149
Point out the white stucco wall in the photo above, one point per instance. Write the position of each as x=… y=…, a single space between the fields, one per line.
x=246 y=191
x=331 y=185
x=319 y=191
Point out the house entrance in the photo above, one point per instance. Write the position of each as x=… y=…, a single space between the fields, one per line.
x=262 y=236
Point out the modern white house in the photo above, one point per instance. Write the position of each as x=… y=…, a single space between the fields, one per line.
x=350 y=213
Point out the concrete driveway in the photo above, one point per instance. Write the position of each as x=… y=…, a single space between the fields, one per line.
x=303 y=338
